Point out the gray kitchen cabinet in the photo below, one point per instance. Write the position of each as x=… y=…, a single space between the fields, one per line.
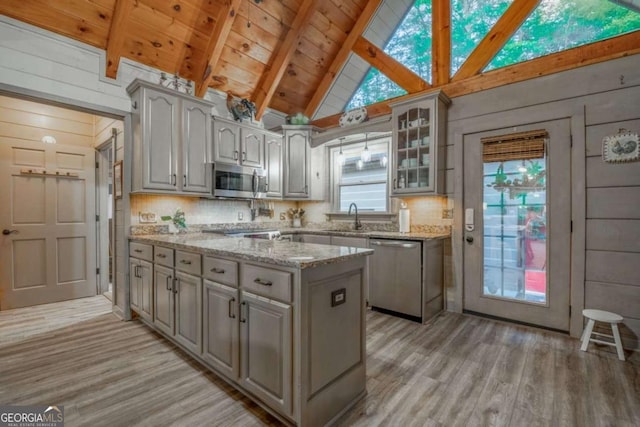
x=418 y=164
x=163 y=300
x=141 y=272
x=178 y=297
x=226 y=141
x=141 y=279
x=273 y=161
x=296 y=162
x=188 y=311
x=266 y=346
x=171 y=141
x=220 y=328
x=237 y=144
x=252 y=147
x=196 y=142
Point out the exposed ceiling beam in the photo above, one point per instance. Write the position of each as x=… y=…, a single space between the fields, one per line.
x=396 y=71
x=216 y=43
x=271 y=79
x=441 y=42
x=117 y=33
x=605 y=50
x=495 y=39
x=341 y=58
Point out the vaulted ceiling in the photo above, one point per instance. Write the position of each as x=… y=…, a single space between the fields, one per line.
x=286 y=54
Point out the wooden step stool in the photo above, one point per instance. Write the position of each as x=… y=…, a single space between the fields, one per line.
x=605 y=317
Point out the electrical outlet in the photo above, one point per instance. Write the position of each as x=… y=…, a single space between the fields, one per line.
x=147 y=217
x=240 y=216
x=283 y=217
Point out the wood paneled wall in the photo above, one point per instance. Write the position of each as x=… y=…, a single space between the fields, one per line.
x=613 y=224
x=606 y=97
x=30 y=121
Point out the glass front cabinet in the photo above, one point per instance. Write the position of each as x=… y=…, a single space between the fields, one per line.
x=419 y=145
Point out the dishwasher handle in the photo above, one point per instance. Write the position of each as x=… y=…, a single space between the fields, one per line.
x=395 y=244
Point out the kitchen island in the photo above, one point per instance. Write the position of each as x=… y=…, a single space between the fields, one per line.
x=283 y=322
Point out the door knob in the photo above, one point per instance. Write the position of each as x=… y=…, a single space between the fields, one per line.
x=6 y=232
x=469 y=239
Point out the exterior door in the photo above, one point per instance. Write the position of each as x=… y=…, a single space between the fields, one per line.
x=47 y=204
x=517 y=235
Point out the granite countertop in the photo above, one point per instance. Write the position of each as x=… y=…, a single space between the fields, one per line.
x=288 y=254
x=416 y=235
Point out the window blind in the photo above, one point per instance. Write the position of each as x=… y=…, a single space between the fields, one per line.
x=514 y=146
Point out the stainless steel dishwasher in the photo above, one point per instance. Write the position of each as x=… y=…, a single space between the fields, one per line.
x=395 y=276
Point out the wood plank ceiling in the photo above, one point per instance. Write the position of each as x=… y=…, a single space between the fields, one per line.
x=286 y=54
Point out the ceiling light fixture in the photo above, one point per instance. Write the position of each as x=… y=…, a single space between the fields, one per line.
x=365 y=156
x=48 y=139
x=340 y=154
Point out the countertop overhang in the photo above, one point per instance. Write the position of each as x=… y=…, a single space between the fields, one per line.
x=284 y=253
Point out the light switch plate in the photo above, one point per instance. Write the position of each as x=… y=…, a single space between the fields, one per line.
x=147 y=217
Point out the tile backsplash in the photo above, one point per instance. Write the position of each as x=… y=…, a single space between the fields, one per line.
x=203 y=211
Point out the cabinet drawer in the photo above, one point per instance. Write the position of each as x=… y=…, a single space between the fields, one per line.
x=220 y=271
x=141 y=250
x=267 y=282
x=189 y=262
x=163 y=256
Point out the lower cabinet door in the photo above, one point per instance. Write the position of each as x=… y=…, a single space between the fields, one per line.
x=220 y=347
x=188 y=308
x=134 y=284
x=163 y=298
x=265 y=345
x=145 y=290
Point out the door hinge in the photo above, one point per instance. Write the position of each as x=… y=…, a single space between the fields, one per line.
x=571 y=226
x=97 y=218
x=97 y=271
x=97 y=165
x=569 y=311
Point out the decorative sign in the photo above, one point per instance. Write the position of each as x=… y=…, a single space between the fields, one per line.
x=353 y=117
x=622 y=147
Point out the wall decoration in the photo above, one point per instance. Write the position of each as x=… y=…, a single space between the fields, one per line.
x=240 y=108
x=353 y=117
x=621 y=147
x=117 y=179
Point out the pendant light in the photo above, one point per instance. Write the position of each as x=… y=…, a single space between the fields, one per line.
x=340 y=154
x=365 y=156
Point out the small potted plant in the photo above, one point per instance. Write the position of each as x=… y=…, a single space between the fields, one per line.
x=296 y=214
x=178 y=223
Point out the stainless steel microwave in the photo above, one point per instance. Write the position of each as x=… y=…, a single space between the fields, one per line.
x=239 y=181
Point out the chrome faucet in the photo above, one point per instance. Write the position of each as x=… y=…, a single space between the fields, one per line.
x=358 y=225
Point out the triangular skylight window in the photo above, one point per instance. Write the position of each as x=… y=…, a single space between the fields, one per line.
x=410 y=45
x=559 y=25
x=471 y=20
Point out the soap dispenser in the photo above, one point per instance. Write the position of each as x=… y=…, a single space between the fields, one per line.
x=404 y=218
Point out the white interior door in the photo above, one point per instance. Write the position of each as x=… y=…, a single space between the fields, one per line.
x=518 y=237
x=48 y=254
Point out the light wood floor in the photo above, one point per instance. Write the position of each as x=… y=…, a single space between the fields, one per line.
x=459 y=370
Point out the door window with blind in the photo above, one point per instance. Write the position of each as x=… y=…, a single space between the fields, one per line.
x=360 y=176
x=515 y=216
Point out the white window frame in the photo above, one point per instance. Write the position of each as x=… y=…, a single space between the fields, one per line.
x=336 y=175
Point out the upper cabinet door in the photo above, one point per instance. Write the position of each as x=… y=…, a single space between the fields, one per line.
x=273 y=161
x=296 y=162
x=252 y=148
x=160 y=140
x=196 y=143
x=226 y=142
